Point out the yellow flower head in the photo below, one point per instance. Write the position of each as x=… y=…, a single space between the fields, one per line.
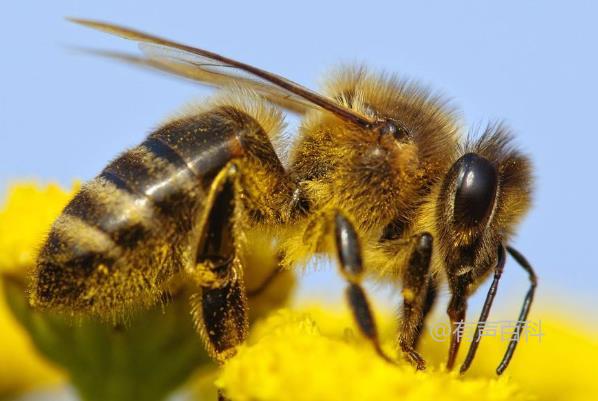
x=25 y=218
x=292 y=358
x=291 y=355
x=24 y=221
x=316 y=355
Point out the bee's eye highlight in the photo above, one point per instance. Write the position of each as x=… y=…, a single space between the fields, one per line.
x=394 y=129
x=476 y=185
x=388 y=128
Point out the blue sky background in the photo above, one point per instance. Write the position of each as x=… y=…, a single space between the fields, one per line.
x=533 y=64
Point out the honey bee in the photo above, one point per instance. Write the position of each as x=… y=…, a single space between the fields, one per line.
x=379 y=177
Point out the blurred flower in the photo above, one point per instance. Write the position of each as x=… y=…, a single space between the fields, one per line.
x=24 y=219
x=21 y=367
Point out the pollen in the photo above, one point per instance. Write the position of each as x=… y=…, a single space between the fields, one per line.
x=408 y=295
x=103 y=269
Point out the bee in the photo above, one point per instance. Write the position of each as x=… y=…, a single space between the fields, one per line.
x=380 y=177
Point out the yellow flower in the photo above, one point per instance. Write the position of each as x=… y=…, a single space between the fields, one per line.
x=21 y=367
x=293 y=358
x=314 y=355
x=24 y=219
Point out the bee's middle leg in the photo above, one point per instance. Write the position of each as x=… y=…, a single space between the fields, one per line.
x=430 y=299
x=419 y=291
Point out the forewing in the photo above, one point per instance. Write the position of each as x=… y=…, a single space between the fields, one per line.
x=215 y=79
x=181 y=59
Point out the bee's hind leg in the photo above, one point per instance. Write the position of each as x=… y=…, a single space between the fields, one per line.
x=351 y=266
x=419 y=292
x=219 y=308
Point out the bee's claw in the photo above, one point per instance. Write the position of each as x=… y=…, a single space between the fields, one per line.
x=415 y=359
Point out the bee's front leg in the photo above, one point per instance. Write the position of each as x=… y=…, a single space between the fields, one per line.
x=500 y=264
x=349 y=254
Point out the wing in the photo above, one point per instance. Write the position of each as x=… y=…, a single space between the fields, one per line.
x=215 y=79
x=215 y=69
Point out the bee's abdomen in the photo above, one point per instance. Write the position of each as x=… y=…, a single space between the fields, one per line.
x=159 y=186
x=129 y=229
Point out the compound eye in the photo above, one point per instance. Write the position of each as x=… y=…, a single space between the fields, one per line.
x=477 y=182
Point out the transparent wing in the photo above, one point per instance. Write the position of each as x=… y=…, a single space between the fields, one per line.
x=215 y=79
x=195 y=63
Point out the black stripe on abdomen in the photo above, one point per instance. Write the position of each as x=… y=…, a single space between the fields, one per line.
x=155 y=172
x=119 y=183
x=162 y=150
x=174 y=166
x=206 y=142
x=98 y=209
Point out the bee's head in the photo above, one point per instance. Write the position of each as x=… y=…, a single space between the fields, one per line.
x=484 y=194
